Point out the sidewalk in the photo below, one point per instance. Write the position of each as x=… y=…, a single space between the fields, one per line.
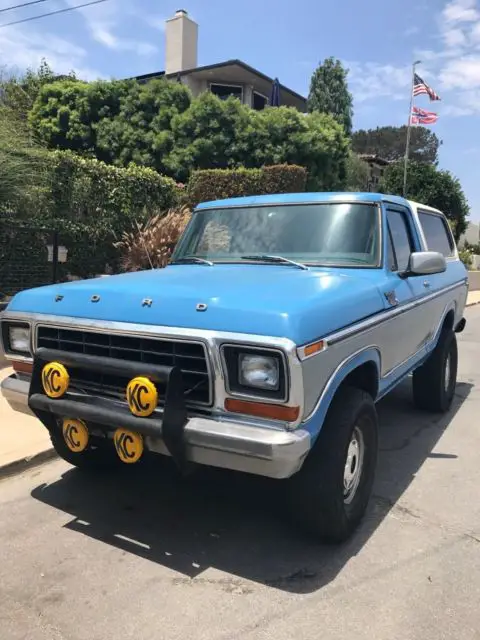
x=25 y=442
x=473 y=298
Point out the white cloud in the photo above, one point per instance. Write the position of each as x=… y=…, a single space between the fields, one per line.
x=156 y=22
x=475 y=33
x=111 y=41
x=461 y=73
x=459 y=11
x=468 y=104
x=411 y=31
x=25 y=48
x=454 y=38
x=103 y=21
x=372 y=80
x=452 y=67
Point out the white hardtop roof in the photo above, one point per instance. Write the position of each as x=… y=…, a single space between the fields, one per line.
x=417 y=205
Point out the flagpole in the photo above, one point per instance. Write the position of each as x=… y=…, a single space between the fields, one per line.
x=409 y=125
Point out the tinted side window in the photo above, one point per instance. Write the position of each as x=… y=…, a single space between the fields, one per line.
x=401 y=239
x=436 y=234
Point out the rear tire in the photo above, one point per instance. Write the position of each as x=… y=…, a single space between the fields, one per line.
x=98 y=456
x=330 y=493
x=435 y=381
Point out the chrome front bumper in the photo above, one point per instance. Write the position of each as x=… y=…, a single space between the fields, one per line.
x=230 y=445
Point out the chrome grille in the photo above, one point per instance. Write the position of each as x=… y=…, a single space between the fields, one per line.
x=190 y=357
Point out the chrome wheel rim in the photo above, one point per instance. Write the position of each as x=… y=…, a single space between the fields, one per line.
x=353 y=466
x=448 y=373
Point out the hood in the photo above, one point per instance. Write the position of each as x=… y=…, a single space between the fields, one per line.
x=262 y=299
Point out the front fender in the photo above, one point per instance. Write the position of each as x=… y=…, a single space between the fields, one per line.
x=314 y=422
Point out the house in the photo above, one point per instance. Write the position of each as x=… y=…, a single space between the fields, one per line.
x=376 y=166
x=232 y=77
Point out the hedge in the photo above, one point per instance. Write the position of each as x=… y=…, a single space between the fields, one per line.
x=215 y=184
x=89 y=204
x=89 y=191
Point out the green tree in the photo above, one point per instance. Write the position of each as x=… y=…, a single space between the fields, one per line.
x=66 y=113
x=19 y=92
x=222 y=134
x=389 y=143
x=316 y=142
x=329 y=93
x=118 y=122
x=211 y=134
x=431 y=186
x=159 y=125
x=141 y=132
x=357 y=173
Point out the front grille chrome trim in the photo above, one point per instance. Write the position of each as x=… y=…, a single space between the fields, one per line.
x=111 y=343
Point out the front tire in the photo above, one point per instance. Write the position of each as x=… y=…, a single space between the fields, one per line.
x=330 y=493
x=435 y=381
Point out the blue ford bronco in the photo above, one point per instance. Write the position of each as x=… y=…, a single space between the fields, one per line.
x=263 y=347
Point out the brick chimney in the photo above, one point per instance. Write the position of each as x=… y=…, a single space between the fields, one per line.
x=181 y=45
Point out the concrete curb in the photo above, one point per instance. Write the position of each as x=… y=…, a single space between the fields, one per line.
x=18 y=466
x=472 y=304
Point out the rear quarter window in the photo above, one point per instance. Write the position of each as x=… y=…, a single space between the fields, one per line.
x=437 y=233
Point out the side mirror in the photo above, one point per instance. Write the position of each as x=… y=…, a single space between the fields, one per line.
x=425 y=263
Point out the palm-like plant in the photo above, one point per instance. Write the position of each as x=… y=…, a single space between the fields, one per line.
x=151 y=244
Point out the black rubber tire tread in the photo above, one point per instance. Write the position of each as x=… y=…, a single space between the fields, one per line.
x=428 y=381
x=315 y=493
x=94 y=458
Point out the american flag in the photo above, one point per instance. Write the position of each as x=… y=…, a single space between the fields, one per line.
x=421 y=116
x=420 y=86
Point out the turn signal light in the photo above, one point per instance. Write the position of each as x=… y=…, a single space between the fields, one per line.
x=316 y=347
x=22 y=367
x=262 y=410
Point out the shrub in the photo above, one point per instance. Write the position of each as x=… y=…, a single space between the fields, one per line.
x=151 y=245
x=215 y=184
x=89 y=204
x=160 y=125
x=283 y=178
x=89 y=191
x=465 y=256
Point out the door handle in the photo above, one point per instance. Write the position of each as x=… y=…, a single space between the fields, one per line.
x=426 y=284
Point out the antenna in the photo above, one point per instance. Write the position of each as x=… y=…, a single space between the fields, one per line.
x=144 y=245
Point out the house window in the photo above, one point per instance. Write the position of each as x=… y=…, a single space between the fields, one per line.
x=259 y=101
x=224 y=91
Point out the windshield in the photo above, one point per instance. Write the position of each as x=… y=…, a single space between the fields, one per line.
x=337 y=234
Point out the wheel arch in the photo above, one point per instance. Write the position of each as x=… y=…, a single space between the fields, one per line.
x=360 y=370
x=447 y=321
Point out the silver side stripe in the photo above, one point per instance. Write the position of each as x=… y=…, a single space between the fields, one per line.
x=380 y=318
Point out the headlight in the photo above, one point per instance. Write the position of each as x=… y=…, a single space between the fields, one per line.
x=16 y=338
x=19 y=339
x=261 y=372
x=255 y=372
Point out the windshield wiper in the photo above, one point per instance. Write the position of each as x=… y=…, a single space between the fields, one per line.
x=192 y=260
x=277 y=260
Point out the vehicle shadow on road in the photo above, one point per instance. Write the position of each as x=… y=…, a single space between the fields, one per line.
x=233 y=522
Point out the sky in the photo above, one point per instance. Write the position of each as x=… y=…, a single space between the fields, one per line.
x=377 y=40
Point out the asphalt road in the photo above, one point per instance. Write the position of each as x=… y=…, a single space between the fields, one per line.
x=146 y=556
